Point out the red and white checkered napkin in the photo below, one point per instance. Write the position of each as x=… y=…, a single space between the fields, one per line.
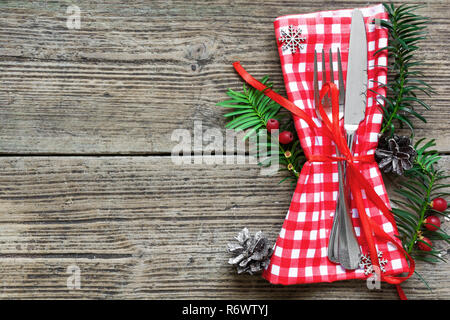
x=300 y=254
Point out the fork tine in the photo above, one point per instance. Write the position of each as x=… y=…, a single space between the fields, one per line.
x=331 y=67
x=316 y=81
x=324 y=79
x=324 y=73
x=341 y=80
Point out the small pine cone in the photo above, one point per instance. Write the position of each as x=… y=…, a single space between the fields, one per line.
x=395 y=154
x=251 y=254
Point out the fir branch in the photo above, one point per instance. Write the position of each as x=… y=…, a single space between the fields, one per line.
x=251 y=111
x=406 y=29
x=420 y=185
x=423 y=182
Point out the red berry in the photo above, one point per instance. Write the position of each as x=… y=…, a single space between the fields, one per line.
x=272 y=124
x=439 y=204
x=432 y=223
x=422 y=246
x=286 y=137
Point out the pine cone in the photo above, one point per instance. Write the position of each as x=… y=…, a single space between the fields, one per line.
x=250 y=254
x=395 y=154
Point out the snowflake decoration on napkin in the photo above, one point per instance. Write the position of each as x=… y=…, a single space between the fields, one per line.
x=366 y=264
x=292 y=39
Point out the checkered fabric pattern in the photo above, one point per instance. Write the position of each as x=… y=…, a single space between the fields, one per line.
x=300 y=253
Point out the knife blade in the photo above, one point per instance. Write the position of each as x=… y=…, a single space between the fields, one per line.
x=356 y=86
x=354 y=112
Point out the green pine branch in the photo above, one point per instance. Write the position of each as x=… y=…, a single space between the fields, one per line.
x=423 y=183
x=251 y=110
x=406 y=30
x=418 y=188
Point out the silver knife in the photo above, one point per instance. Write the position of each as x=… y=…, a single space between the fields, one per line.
x=356 y=86
x=354 y=112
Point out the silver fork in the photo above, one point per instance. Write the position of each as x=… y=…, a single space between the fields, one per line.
x=342 y=234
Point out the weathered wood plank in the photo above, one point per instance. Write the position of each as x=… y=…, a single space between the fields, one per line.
x=133 y=73
x=142 y=227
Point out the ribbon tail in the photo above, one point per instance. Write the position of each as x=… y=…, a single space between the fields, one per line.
x=357 y=196
x=412 y=265
x=371 y=228
x=372 y=195
x=400 y=292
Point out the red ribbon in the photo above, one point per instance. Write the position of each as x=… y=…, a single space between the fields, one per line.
x=359 y=182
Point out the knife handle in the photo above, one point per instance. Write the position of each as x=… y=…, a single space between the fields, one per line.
x=349 y=250
x=333 y=249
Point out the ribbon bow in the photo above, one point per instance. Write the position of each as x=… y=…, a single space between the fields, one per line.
x=359 y=182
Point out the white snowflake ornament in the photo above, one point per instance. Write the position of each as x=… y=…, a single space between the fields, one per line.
x=366 y=264
x=292 y=39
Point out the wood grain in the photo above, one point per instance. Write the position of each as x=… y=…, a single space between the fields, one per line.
x=86 y=178
x=137 y=71
x=142 y=227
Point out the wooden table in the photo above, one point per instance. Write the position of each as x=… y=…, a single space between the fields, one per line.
x=87 y=181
